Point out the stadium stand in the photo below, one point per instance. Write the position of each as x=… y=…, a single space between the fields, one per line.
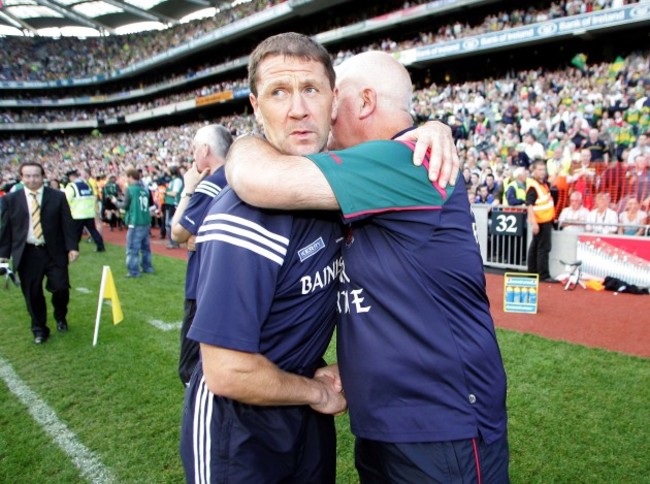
x=496 y=72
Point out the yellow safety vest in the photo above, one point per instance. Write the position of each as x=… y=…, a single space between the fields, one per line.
x=81 y=199
x=543 y=209
x=520 y=192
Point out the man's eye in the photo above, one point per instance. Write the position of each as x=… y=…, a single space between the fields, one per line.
x=311 y=90
x=278 y=93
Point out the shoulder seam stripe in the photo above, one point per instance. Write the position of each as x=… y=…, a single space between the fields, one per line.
x=246 y=223
x=209 y=229
x=241 y=243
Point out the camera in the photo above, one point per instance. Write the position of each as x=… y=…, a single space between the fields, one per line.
x=6 y=271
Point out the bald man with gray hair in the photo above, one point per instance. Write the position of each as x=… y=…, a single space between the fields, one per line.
x=202 y=183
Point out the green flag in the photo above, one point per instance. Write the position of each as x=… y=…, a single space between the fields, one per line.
x=580 y=61
x=616 y=66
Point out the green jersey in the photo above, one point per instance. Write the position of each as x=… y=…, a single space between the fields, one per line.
x=137 y=210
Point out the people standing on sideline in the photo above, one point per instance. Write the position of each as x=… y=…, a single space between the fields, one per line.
x=111 y=190
x=418 y=355
x=83 y=205
x=137 y=204
x=172 y=198
x=541 y=211
x=38 y=233
x=202 y=183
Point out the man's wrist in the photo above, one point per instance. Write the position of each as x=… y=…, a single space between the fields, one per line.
x=187 y=194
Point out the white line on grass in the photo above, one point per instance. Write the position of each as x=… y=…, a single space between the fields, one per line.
x=83 y=290
x=157 y=323
x=84 y=459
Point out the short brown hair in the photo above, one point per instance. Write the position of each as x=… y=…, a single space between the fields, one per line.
x=289 y=44
x=133 y=173
x=31 y=163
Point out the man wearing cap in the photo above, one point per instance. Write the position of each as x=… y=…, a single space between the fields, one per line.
x=38 y=233
x=83 y=205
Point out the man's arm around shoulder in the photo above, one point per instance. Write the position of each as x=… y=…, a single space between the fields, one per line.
x=263 y=177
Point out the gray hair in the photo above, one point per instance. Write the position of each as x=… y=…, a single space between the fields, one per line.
x=217 y=137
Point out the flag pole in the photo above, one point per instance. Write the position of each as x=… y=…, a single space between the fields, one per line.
x=99 y=304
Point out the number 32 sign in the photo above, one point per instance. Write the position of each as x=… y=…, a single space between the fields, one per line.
x=507 y=223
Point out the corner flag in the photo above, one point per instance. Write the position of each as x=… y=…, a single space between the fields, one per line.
x=107 y=290
x=110 y=292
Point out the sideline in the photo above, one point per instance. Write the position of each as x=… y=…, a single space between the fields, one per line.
x=588 y=318
x=89 y=465
x=163 y=326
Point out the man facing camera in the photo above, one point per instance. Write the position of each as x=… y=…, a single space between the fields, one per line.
x=38 y=233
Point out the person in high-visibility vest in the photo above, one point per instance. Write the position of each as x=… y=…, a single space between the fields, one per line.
x=83 y=205
x=541 y=212
x=515 y=191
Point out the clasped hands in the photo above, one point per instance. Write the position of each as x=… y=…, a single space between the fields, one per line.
x=333 y=398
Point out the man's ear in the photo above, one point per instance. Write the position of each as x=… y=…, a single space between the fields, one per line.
x=368 y=102
x=335 y=105
x=256 y=108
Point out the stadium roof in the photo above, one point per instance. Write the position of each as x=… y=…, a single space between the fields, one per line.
x=94 y=17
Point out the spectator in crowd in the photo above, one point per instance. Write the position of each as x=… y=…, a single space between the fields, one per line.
x=583 y=179
x=137 y=204
x=615 y=181
x=574 y=217
x=558 y=167
x=541 y=212
x=492 y=185
x=632 y=219
x=403 y=427
x=578 y=132
x=533 y=148
x=641 y=148
x=83 y=205
x=515 y=194
x=172 y=198
x=37 y=232
x=602 y=219
x=54 y=184
x=483 y=196
x=201 y=184
x=639 y=179
x=596 y=146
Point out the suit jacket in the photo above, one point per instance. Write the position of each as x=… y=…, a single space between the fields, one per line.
x=56 y=221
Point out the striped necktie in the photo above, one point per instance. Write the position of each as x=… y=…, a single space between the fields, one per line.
x=36 y=217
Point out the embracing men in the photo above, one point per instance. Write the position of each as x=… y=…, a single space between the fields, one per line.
x=417 y=350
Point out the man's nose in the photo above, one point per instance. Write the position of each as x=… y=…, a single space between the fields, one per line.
x=298 y=108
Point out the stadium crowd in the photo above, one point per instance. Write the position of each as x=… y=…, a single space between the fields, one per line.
x=40 y=59
x=35 y=59
x=492 y=23
x=498 y=124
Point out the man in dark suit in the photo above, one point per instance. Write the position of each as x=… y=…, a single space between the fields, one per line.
x=37 y=231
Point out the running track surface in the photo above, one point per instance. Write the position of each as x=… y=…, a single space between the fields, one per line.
x=616 y=322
